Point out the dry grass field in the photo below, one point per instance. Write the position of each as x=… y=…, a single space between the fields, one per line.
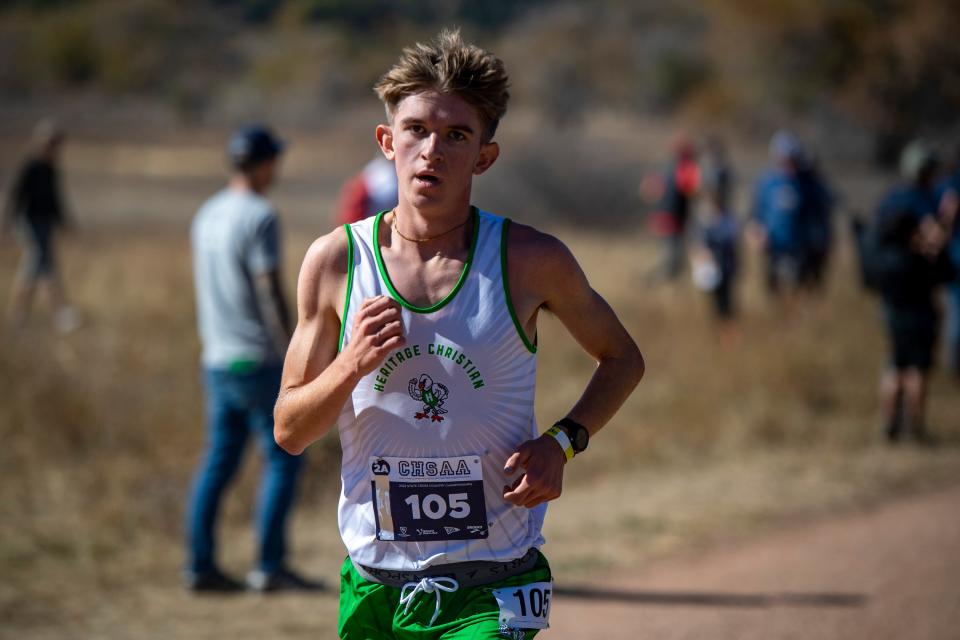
x=101 y=428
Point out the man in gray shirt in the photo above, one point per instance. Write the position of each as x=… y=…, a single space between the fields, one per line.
x=244 y=327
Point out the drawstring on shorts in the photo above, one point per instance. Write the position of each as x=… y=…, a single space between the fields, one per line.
x=427 y=585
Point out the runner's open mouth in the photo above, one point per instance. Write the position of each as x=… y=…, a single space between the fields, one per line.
x=428 y=178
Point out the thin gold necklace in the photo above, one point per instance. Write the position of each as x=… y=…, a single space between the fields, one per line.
x=396 y=226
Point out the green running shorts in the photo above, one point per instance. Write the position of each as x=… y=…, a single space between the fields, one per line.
x=374 y=611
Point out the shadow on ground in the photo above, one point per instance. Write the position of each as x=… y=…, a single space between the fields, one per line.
x=714 y=599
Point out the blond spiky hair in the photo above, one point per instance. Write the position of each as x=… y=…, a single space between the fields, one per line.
x=450 y=66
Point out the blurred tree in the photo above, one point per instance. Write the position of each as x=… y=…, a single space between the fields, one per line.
x=893 y=65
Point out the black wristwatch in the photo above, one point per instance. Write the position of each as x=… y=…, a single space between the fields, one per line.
x=578 y=434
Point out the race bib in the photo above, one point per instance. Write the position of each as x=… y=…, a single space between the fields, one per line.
x=525 y=607
x=426 y=499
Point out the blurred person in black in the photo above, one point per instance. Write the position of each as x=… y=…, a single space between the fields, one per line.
x=715 y=262
x=816 y=207
x=907 y=262
x=36 y=208
x=949 y=204
x=717 y=173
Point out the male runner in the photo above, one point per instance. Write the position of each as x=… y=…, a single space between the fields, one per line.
x=416 y=337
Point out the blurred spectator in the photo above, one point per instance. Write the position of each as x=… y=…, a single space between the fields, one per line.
x=816 y=219
x=907 y=261
x=917 y=192
x=715 y=262
x=36 y=208
x=949 y=204
x=369 y=192
x=244 y=327
x=777 y=218
x=681 y=183
x=717 y=173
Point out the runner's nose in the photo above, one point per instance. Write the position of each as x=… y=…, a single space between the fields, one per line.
x=431 y=148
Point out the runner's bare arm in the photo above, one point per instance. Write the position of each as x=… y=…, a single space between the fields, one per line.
x=544 y=274
x=598 y=330
x=316 y=379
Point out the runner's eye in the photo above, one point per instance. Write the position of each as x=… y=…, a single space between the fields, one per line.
x=458 y=136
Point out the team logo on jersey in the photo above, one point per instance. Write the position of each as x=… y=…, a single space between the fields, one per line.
x=431 y=394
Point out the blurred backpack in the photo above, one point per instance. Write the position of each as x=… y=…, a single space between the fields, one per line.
x=888 y=264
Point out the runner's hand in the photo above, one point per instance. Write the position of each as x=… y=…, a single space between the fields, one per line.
x=377 y=330
x=542 y=461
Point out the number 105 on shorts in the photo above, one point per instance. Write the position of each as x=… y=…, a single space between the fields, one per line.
x=526 y=606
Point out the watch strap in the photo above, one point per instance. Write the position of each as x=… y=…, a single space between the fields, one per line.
x=558 y=434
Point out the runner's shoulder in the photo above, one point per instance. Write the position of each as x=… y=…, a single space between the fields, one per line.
x=324 y=266
x=532 y=250
x=328 y=253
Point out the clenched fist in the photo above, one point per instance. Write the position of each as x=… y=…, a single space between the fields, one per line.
x=542 y=461
x=377 y=330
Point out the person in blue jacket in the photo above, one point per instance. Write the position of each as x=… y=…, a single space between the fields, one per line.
x=777 y=214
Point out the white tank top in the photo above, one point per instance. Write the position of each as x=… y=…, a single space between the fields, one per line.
x=425 y=436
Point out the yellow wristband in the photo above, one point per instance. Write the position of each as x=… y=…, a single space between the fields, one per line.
x=560 y=436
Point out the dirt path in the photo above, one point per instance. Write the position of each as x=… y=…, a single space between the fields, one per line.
x=892 y=573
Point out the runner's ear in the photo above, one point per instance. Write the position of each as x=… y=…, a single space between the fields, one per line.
x=489 y=152
x=385 y=140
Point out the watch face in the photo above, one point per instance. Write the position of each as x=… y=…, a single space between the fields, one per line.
x=580 y=439
x=578 y=434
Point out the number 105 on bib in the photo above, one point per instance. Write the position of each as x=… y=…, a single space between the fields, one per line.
x=421 y=499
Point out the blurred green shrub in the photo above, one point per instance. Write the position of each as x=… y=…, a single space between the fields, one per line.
x=676 y=75
x=67 y=51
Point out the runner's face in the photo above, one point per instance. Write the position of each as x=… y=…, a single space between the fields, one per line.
x=437 y=143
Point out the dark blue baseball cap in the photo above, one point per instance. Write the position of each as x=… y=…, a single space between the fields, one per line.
x=252 y=144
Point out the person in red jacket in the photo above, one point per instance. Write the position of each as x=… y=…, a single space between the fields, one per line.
x=681 y=184
x=369 y=192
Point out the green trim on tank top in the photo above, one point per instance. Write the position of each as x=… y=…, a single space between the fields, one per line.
x=456 y=288
x=346 y=302
x=531 y=346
